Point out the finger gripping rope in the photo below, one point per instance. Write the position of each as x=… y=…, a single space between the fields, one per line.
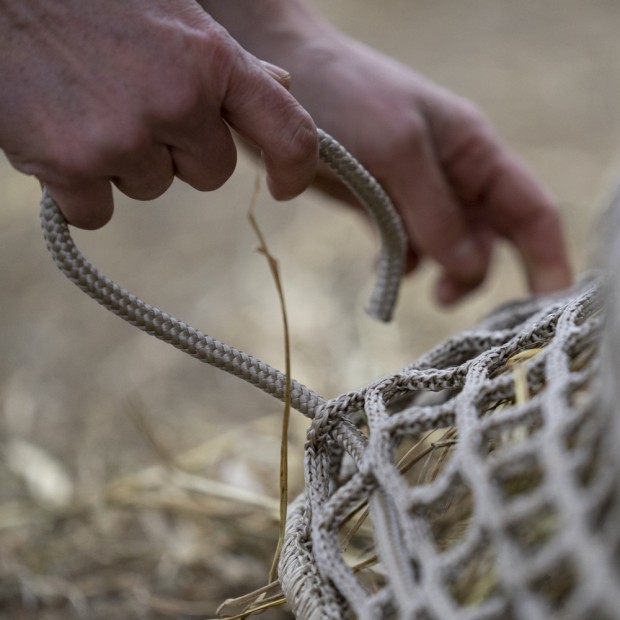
x=153 y=321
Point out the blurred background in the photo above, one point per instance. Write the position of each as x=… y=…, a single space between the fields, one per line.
x=93 y=412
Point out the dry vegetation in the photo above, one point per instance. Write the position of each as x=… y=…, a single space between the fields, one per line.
x=168 y=541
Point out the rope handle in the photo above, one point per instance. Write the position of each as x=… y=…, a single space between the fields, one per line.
x=153 y=321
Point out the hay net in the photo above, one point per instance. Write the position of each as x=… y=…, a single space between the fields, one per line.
x=481 y=481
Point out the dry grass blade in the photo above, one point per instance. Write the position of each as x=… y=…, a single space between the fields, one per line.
x=367 y=563
x=177 y=608
x=355 y=528
x=229 y=605
x=516 y=363
x=135 y=412
x=408 y=460
x=259 y=604
x=259 y=607
x=148 y=489
x=158 y=487
x=253 y=602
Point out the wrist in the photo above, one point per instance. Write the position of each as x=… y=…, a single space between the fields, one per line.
x=272 y=30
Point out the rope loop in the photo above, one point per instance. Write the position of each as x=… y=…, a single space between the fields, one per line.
x=155 y=322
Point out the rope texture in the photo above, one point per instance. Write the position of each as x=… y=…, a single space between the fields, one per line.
x=379 y=206
x=155 y=322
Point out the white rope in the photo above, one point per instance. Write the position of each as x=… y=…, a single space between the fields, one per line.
x=155 y=322
x=379 y=206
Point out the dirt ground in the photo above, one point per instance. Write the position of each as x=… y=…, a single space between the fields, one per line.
x=91 y=524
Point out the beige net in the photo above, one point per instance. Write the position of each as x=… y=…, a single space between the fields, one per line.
x=479 y=482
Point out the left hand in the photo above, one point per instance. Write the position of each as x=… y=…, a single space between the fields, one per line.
x=456 y=187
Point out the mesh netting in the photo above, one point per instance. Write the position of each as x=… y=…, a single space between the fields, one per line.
x=479 y=482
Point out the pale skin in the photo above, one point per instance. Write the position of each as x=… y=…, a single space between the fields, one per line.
x=158 y=84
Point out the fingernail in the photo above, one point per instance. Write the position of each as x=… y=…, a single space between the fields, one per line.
x=280 y=75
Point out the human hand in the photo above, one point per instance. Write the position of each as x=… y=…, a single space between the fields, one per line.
x=455 y=185
x=457 y=188
x=136 y=92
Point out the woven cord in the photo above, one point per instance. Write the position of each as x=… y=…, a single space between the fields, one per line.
x=380 y=208
x=153 y=321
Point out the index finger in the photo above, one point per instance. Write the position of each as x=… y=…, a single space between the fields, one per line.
x=497 y=188
x=522 y=211
x=264 y=112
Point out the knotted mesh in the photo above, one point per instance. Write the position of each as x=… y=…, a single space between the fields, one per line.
x=479 y=482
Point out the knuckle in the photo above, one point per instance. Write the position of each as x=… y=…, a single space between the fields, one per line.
x=415 y=128
x=177 y=104
x=471 y=114
x=220 y=48
x=473 y=152
x=132 y=139
x=408 y=137
x=403 y=138
x=178 y=95
x=222 y=53
x=473 y=127
x=300 y=142
x=76 y=162
x=124 y=144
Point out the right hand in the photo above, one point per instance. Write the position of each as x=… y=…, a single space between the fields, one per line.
x=136 y=92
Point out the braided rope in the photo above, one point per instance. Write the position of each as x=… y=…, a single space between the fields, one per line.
x=155 y=322
x=379 y=206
